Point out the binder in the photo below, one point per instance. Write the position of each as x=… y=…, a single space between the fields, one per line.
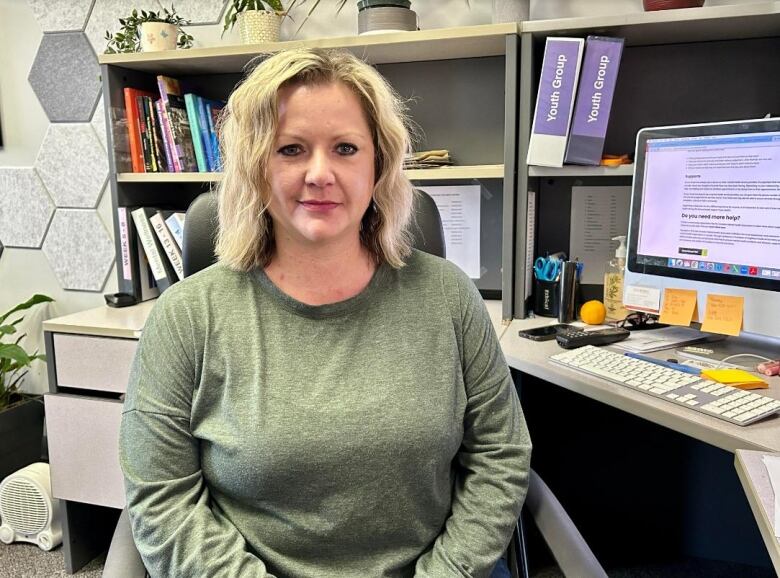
x=555 y=101
x=594 y=100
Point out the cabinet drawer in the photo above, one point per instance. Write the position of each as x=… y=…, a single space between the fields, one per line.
x=99 y=363
x=83 y=435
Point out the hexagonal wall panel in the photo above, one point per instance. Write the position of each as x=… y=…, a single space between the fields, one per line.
x=79 y=249
x=60 y=15
x=106 y=14
x=73 y=165
x=25 y=208
x=65 y=77
x=98 y=122
x=199 y=11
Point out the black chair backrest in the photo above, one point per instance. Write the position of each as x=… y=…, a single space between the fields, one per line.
x=200 y=226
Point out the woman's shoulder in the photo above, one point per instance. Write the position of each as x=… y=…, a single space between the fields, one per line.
x=434 y=268
x=203 y=289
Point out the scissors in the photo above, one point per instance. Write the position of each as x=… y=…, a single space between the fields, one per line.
x=547 y=268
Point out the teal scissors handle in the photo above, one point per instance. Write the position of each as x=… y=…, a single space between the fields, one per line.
x=546 y=269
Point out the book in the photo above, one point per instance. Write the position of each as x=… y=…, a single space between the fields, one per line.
x=191 y=103
x=164 y=134
x=175 y=223
x=205 y=134
x=179 y=134
x=213 y=108
x=162 y=270
x=129 y=272
x=555 y=101
x=600 y=65
x=169 y=246
x=146 y=143
x=149 y=289
x=157 y=143
x=133 y=127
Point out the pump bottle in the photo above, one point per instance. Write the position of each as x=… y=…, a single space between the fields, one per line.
x=613 y=282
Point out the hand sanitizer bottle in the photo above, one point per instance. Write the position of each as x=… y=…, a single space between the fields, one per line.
x=613 y=282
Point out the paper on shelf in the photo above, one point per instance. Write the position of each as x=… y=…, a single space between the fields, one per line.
x=772 y=464
x=597 y=215
x=657 y=339
x=460 y=219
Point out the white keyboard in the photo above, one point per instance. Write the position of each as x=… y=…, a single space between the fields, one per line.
x=722 y=401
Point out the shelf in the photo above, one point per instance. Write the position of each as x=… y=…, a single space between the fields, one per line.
x=738 y=21
x=439 y=174
x=581 y=171
x=421 y=45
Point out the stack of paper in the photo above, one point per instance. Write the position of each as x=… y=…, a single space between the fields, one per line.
x=428 y=159
x=657 y=339
x=772 y=464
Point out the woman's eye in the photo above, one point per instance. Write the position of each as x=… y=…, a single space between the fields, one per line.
x=346 y=149
x=289 y=150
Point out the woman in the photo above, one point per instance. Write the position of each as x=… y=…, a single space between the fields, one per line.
x=324 y=401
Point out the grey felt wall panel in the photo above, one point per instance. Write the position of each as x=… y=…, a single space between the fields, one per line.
x=65 y=77
x=61 y=15
x=98 y=122
x=25 y=208
x=73 y=165
x=79 y=249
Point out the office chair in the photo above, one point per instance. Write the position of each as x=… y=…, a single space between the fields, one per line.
x=567 y=545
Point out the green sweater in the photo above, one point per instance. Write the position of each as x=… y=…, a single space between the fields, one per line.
x=377 y=436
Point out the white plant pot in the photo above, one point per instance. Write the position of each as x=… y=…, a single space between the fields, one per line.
x=156 y=36
x=258 y=26
x=379 y=19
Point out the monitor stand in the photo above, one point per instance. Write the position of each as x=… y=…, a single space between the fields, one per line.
x=715 y=348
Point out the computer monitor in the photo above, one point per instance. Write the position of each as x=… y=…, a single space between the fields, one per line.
x=705 y=215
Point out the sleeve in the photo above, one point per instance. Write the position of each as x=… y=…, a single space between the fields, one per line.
x=493 y=462
x=174 y=528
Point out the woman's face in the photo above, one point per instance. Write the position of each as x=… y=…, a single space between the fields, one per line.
x=321 y=168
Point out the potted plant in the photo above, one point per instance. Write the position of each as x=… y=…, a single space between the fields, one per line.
x=21 y=415
x=149 y=32
x=258 y=20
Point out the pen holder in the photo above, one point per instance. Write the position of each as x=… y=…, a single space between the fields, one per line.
x=546 y=298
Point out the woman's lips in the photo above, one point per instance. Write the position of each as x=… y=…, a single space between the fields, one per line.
x=319 y=206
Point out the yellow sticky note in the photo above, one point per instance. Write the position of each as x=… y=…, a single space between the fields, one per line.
x=723 y=314
x=751 y=385
x=731 y=376
x=679 y=307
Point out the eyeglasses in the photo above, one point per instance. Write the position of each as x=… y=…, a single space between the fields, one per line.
x=639 y=320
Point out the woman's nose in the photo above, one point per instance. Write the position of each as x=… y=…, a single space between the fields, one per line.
x=319 y=171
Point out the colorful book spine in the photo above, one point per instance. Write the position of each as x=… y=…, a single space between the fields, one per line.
x=594 y=100
x=146 y=143
x=176 y=111
x=205 y=135
x=555 y=101
x=164 y=134
x=157 y=144
x=190 y=102
x=134 y=128
x=213 y=108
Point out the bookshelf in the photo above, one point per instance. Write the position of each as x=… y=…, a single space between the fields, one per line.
x=706 y=64
x=434 y=70
x=472 y=90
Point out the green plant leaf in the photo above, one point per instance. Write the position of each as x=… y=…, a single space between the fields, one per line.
x=32 y=301
x=7 y=329
x=14 y=353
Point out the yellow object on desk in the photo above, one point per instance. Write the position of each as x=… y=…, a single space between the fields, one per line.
x=723 y=314
x=735 y=378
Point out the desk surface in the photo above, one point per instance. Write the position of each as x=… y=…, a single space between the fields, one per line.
x=758 y=489
x=531 y=357
x=524 y=355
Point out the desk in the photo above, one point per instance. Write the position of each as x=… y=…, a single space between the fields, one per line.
x=758 y=488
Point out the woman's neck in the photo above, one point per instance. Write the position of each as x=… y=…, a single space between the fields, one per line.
x=325 y=274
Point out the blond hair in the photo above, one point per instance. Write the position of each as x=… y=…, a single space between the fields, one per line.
x=248 y=126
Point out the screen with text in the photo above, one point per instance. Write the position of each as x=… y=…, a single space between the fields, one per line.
x=712 y=203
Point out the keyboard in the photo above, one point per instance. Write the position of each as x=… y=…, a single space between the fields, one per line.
x=728 y=403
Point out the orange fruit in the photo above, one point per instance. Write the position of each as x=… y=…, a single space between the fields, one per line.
x=593 y=312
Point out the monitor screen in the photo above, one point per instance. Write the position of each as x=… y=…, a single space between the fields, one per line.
x=706 y=206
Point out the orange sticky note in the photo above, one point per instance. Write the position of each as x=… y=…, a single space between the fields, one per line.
x=723 y=314
x=679 y=307
x=751 y=385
